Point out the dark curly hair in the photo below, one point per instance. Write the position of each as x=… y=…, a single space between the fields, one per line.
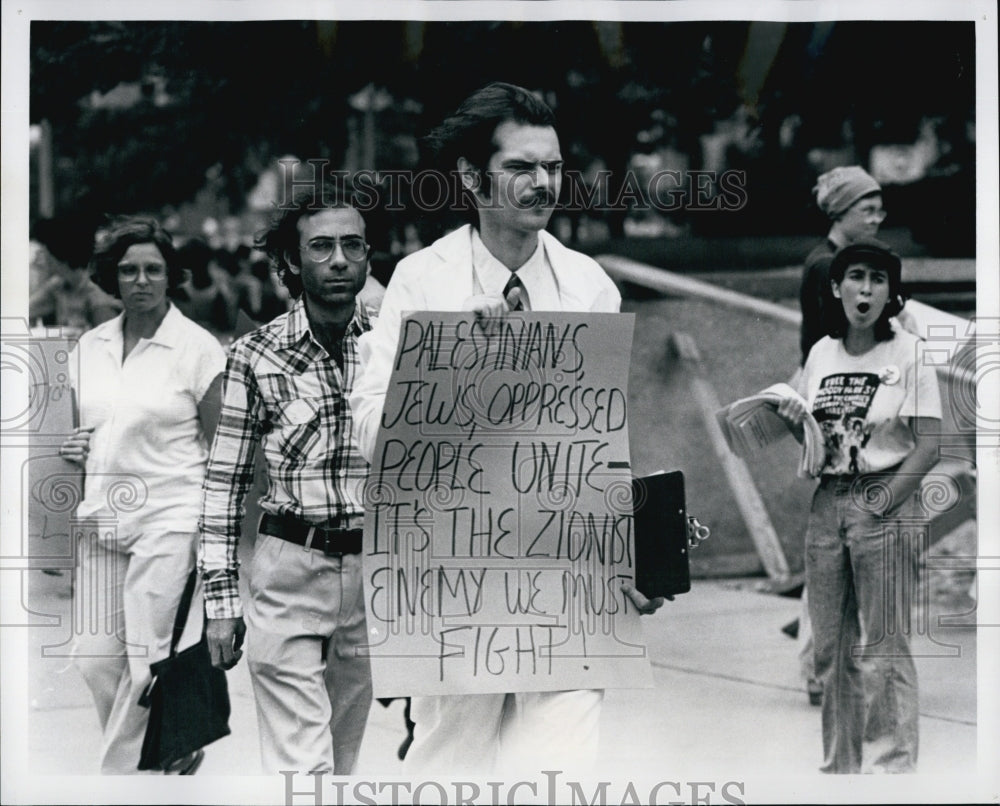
x=868 y=252
x=469 y=131
x=281 y=239
x=113 y=241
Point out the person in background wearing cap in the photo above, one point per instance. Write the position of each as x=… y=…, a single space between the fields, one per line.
x=866 y=370
x=852 y=200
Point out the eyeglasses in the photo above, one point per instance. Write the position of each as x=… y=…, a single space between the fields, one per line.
x=876 y=213
x=322 y=249
x=130 y=272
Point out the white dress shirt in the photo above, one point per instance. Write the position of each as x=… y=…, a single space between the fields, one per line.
x=490 y=276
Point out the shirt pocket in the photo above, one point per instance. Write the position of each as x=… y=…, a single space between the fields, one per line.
x=297 y=411
x=294 y=417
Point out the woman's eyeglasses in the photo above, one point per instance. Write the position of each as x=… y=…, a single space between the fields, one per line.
x=130 y=272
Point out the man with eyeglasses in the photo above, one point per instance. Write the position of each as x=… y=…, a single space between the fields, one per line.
x=503 y=145
x=285 y=392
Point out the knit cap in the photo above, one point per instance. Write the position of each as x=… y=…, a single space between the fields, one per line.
x=838 y=189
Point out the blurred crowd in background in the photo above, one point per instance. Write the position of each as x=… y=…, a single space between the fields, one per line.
x=221 y=281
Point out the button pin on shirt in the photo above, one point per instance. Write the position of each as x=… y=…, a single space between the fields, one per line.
x=889 y=375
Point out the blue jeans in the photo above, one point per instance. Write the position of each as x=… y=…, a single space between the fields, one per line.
x=859 y=578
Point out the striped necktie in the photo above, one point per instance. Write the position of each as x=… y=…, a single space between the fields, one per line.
x=513 y=292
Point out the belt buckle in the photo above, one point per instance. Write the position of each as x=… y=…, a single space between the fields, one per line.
x=328 y=535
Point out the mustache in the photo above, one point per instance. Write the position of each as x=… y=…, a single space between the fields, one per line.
x=543 y=198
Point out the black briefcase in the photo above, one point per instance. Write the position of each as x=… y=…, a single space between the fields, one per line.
x=663 y=535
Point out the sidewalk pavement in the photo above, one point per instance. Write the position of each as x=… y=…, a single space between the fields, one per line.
x=727 y=704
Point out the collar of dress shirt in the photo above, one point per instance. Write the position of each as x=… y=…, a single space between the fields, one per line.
x=297 y=323
x=168 y=334
x=493 y=275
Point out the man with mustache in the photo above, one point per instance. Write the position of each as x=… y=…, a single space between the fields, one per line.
x=503 y=144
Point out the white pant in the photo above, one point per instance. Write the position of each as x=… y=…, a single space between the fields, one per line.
x=505 y=733
x=125 y=603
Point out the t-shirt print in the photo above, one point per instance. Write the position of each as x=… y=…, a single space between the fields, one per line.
x=841 y=409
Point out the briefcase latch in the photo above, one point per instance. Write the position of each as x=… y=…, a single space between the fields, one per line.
x=697 y=532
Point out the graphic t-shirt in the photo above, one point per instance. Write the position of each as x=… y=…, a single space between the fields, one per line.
x=863 y=403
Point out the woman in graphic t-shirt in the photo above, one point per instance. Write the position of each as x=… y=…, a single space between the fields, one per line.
x=879 y=410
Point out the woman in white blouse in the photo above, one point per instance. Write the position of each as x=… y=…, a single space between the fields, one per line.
x=147 y=388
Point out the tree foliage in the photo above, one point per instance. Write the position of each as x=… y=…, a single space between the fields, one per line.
x=221 y=100
x=218 y=97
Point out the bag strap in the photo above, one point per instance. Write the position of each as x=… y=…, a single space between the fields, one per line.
x=182 y=611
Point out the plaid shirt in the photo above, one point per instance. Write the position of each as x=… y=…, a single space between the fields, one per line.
x=280 y=390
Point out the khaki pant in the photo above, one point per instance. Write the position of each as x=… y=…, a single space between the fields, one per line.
x=125 y=601
x=305 y=629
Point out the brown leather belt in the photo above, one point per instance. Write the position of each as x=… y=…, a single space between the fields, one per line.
x=325 y=537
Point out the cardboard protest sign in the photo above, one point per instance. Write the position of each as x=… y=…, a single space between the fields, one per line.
x=498 y=526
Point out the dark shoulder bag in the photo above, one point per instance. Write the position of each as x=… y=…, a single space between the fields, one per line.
x=188 y=698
